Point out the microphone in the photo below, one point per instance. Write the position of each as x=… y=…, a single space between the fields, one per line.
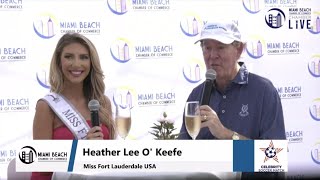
x=208 y=85
x=94 y=107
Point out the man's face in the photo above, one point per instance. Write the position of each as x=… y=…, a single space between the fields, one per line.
x=221 y=57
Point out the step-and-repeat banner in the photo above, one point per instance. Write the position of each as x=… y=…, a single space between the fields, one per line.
x=148 y=55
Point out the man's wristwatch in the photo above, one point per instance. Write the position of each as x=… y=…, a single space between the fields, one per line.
x=235 y=136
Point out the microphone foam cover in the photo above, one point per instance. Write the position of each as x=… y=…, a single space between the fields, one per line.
x=211 y=74
x=94 y=105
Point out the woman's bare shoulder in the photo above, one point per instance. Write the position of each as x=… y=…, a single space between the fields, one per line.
x=43 y=121
x=42 y=104
x=44 y=109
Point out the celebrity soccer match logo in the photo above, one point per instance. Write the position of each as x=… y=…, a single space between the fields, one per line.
x=271 y=156
x=271 y=152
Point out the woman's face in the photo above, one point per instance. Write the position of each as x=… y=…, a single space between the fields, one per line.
x=75 y=63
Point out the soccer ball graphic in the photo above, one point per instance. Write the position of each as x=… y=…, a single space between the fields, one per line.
x=270 y=152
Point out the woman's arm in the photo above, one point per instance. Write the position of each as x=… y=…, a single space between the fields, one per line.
x=43 y=121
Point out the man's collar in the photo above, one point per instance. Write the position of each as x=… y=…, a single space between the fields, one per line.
x=242 y=75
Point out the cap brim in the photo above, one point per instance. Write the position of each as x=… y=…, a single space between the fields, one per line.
x=224 y=40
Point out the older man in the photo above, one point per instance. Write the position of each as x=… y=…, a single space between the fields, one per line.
x=242 y=105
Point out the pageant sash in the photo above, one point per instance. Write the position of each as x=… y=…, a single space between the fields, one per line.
x=68 y=114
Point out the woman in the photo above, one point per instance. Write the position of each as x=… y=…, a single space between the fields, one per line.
x=75 y=77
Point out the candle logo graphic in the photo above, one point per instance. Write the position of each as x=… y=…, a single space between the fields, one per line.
x=314 y=109
x=252 y=6
x=118 y=7
x=191 y=24
x=315 y=153
x=42 y=76
x=124 y=96
x=316 y=23
x=194 y=70
x=45 y=26
x=255 y=46
x=121 y=50
x=314 y=65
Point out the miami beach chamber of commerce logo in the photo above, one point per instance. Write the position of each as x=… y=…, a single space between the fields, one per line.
x=124 y=96
x=28 y=155
x=253 y=6
x=127 y=96
x=299 y=18
x=315 y=28
x=42 y=75
x=256 y=46
x=45 y=25
x=283 y=12
x=11 y=5
x=121 y=50
x=290 y=92
x=13 y=54
x=14 y=104
x=294 y=136
x=275 y=18
x=314 y=65
x=120 y=7
x=191 y=24
x=160 y=97
x=315 y=153
x=6 y=155
x=314 y=109
x=153 y=51
x=271 y=156
x=193 y=70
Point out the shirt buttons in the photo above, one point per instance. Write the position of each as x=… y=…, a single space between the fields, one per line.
x=224 y=96
x=223 y=111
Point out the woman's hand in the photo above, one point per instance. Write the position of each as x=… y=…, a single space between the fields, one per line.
x=95 y=133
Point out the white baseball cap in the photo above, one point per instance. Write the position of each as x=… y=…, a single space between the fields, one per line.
x=224 y=31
